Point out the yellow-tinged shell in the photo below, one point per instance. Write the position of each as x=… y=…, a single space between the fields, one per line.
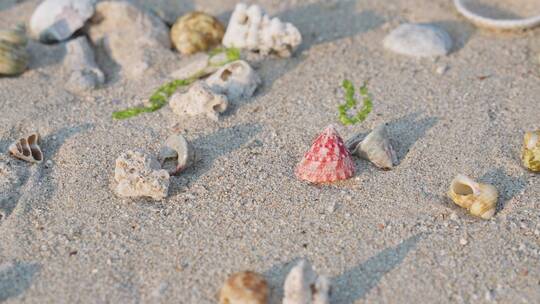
x=196 y=32
x=244 y=287
x=13 y=54
x=479 y=199
x=531 y=151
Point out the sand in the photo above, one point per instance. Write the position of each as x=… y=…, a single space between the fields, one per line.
x=382 y=237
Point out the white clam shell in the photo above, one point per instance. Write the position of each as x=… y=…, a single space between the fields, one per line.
x=252 y=29
x=418 y=40
x=499 y=24
x=304 y=286
x=199 y=99
x=237 y=80
x=27 y=148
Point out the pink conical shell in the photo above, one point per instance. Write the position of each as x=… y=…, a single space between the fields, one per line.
x=328 y=160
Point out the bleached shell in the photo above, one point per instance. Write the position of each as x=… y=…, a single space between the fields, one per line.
x=237 y=80
x=139 y=174
x=245 y=287
x=497 y=24
x=479 y=199
x=81 y=65
x=304 y=286
x=196 y=32
x=376 y=148
x=199 y=100
x=57 y=20
x=178 y=149
x=531 y=151
x=418 y=40
x=252 y=29
x=27 y=148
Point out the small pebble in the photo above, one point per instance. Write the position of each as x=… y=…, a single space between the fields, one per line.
x=463 y=241
x=442 y=69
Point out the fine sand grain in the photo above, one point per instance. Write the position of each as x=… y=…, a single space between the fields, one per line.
x=382 y=237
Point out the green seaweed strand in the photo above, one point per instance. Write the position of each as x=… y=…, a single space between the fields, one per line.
x=350 y=102
x=162 y=94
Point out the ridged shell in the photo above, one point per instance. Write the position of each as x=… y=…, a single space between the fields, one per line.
x=327 y=160
x=13 y=54
x=196 y=32
x=479 y=199
x=244 y=287
x=27 y=148
x=531 y=151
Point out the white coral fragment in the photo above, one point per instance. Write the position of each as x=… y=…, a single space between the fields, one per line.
x=252 y=29
x=139 y=174
x=237 y=80
x=27 y=148
x=304 y=286
x=199 y=100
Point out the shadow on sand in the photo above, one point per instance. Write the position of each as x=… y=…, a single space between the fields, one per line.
x=16 y=278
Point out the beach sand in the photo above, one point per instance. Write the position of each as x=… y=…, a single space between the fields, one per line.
x=382 y=237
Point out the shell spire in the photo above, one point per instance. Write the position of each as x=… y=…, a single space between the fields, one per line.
x=327 y=160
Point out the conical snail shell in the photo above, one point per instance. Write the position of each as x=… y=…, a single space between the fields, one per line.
x=13 y=54
x=479 y=199
x=531 y=151
x=376 y=148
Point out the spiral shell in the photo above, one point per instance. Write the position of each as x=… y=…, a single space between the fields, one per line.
x=531 y=151
x=13 y=54
x=27 y=148
x=243 y=288
x=479 y=199
x=196 y=32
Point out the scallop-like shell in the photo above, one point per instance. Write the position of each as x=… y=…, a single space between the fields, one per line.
x=376 y=148
x=196 y=32
x=13 y=53
x=531 y=151
x=178 y=149
x=27 y=148
x=244 y=287
x=328 y=160
x=479 y=199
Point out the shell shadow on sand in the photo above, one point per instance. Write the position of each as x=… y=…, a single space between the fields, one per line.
x=356 y=282
x=507 y=185
x=16 y=278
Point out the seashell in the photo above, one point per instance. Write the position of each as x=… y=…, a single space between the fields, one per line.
x=328 y=159
x=237 y=80
x=140 y=174
x=199 y=100
x=245 y=287
x=252 y=29
x=531 y=151
x=376 y=148
x=479 y=199
x=196 y=32
x=498 y=24
x=304 y=286
x=57 y=20
x=13 y=53
x=200 y=65
x=180 y=151
x=27 y=148
x=80 y=60
x=418 y=40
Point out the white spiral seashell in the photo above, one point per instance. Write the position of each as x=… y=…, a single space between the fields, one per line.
x=479 y=199
x=501 y=24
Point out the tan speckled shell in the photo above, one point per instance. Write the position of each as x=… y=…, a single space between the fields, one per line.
x=27 y=148
x=196 y=32
x=13 y=54
x=244 y=287
x=479 y=199
x=531 y=151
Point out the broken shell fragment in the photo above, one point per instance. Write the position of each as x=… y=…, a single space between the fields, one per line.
x=13 y=53
x=252 y=29
x=479 y=199
x=139 y=174
x=327 y=160
x=199 y=100
x=237 y=80
x=178 y=151
x=531 y=151
x=27 y=148
x=245 y=287
x=196 y=32
x=304 y=286
x=376 y=148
